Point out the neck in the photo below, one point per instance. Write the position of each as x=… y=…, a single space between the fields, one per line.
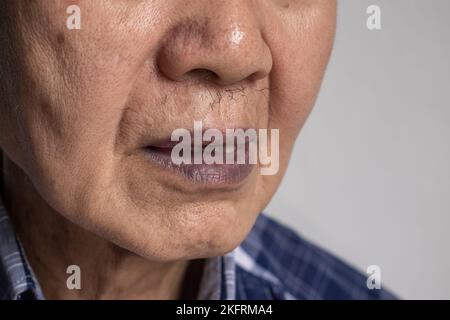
x=52 y=244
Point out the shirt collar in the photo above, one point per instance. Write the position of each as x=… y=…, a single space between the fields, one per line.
x=18 y=281
x=219 y=279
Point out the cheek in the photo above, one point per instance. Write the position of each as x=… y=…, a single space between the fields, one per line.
x=77 y=82
x=70 y=109
x=300 y=58
x=74 y=92
x=300 y=52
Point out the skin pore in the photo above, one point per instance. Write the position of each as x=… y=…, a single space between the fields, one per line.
x=79 y=107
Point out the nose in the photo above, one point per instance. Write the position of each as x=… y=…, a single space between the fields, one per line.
x=224 y=45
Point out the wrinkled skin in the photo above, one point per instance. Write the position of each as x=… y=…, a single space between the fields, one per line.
x=78 y=106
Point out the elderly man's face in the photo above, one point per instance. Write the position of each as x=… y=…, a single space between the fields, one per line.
x=83 y=110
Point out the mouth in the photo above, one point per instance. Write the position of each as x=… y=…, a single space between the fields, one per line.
x=203 y=172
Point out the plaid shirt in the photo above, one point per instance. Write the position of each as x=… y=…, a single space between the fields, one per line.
x=272 y=263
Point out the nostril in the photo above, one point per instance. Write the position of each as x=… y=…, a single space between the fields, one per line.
x=201 y=74
x=257 y=76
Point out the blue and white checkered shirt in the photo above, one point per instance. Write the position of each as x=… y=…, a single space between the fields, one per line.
x=272 y=263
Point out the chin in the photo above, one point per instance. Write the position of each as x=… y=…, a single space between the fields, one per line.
x=195 y=231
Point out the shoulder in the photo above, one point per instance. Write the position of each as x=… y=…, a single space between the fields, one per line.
x=274 y=262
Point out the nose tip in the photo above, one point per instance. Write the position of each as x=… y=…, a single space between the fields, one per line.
x=214 y=52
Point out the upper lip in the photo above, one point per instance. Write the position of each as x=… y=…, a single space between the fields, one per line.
x=167 y=143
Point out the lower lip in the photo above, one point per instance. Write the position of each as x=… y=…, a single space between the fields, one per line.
x=206 y=174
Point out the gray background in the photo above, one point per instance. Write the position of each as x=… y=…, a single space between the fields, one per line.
x=370 y=174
